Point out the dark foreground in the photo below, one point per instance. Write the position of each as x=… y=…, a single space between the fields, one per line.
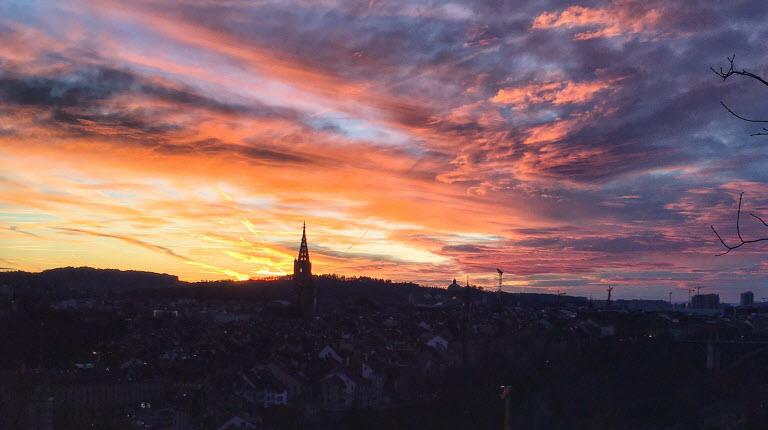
x=377 y=355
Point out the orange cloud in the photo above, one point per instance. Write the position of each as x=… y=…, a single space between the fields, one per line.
x=523 y=95
x=131 y=240
x=557 y=93
x=324 y=89
x=549 y=132
x=621 y=18
x=182 y=141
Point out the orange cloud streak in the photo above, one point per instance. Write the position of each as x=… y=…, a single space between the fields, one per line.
x=621 y=18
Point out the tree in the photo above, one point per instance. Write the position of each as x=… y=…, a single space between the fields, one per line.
x=725 y=74
x=742 y=241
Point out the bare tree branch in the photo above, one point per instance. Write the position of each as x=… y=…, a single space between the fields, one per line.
x=729 y=248
x=761 y=220
x=725 y=74
x=742 y=242
x=741 y=117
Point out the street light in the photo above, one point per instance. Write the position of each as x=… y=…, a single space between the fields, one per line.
x=505 y=392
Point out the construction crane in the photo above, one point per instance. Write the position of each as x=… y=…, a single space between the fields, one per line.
x=499 y=297
x=558 y=295
x=608 y=303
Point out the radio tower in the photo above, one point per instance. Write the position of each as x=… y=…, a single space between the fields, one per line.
x=608 y=303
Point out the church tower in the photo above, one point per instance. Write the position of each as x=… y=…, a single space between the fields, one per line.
x=304 y=289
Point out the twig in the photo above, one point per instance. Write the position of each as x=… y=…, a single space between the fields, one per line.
x=725 y=74
x=731 y=71
x=741 y=117
x=742 y=242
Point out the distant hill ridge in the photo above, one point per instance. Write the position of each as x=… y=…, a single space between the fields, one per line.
x=89 y=278
x=88 y=281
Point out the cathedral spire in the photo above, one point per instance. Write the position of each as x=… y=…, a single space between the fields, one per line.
x=303 y=249
x=304 y=289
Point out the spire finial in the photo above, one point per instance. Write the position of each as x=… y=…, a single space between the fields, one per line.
x=303 y=251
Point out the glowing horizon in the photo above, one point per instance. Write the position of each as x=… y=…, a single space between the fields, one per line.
x=573 y=145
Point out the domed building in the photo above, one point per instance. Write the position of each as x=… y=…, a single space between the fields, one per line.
x=454 y=288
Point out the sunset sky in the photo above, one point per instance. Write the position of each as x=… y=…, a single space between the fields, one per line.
x=574 y=145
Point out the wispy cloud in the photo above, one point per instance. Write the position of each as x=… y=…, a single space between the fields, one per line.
x=616 y=19
x=131 y=240
x=585 y=139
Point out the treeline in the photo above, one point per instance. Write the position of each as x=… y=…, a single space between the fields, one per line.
x=88 y=278
x=74 y=282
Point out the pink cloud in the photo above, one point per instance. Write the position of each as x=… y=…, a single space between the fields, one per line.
x=620 y=18
x=556 y=92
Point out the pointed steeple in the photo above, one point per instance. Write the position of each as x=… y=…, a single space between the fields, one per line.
x=302 y=278
x=467 y=292
x=303 y=249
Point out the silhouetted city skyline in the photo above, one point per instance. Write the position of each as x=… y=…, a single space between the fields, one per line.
x=573 y=145
x=383 y=214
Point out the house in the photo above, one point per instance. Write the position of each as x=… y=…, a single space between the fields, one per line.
x=259 y=386
x=438 y=342
x=290 y=383
x=425 y=361
x=338 y=391
x=74 y=304
x=132 y=363
x=164 y=313
x=239 y=423
x=607 y=330
x=328 y=353
x=371 y=389
x=390 y=322
x=134 y=368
